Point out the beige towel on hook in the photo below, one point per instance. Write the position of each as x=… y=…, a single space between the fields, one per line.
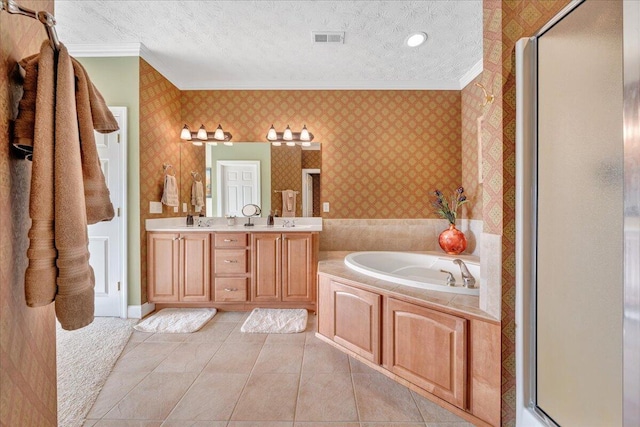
x=40 y=277
x=93 y=113
x=170 y=193
x=75 y=296
x=197 y=195
x=288 y=203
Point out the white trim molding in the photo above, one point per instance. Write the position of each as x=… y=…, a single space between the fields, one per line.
x=139 y=49
x=471 y=74
x=140 y=311
x=104 y=50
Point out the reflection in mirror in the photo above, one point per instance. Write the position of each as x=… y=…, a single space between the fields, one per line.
x=280 y=168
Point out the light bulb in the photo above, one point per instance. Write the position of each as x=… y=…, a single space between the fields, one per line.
x=202 y=133
x=272 y=135
x=416 y=39
x=215 y=144
x=197 y=143
x=287 y=135
x=306 y=144
x=219 y=134
x=304 y=134
x=185 y=133
x=276 y=143
x=291 y=144
x=229 y=143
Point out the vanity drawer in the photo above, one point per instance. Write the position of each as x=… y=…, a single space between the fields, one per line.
x=230 y=289
x=230 y=240
x=230 y=261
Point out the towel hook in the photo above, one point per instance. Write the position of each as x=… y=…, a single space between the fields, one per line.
x=196 y=176
x=168 y=167
x=488 y=98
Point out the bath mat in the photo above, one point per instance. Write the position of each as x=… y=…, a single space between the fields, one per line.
x=275 y=321
x=176 y=320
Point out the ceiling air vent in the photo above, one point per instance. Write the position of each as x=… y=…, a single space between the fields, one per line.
x=325 y=37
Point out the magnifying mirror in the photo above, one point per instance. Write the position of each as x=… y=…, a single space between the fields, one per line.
x=249 y=211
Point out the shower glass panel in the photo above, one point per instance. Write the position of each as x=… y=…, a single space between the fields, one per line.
x=579 y=250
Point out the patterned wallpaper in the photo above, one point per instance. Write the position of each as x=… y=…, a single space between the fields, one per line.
x=159 y=144
x=311 y=159
x=286 y=165
x=383 y=152
x=472 y=124
x=28 y=395
x=505 y=22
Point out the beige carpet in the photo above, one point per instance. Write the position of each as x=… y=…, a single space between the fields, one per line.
x=275 y=321
x=85 y=358
x=176 y=320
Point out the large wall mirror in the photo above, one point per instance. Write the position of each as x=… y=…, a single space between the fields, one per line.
x=252 y=172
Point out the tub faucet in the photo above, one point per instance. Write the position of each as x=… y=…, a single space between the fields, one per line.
x=468 y=280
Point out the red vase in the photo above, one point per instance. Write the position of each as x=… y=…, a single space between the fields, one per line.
x=452 y=240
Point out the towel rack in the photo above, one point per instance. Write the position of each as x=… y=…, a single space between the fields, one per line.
x=168 y=167
x=282 y=191
x=45 y=17
x=196 y=176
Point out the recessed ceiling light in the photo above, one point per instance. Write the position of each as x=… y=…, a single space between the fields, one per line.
x=416 y=39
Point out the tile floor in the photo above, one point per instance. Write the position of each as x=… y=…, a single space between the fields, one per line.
x=219 y=377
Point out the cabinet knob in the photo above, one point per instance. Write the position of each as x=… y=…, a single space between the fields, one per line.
x=231 y=261
x=230 y=289
x=230 y=240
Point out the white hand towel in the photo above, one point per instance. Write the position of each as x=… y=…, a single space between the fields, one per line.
x=197 y=195
x=288 y=203
x=170 y=194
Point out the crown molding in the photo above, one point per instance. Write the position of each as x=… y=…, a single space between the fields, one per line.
x=104 y=50
x=323 y=85
x=139 y=49
x=470 y=75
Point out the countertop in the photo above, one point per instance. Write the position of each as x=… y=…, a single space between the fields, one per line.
x=332 y=264
x=215 y=224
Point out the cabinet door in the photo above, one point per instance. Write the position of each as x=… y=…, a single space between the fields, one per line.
x=356 y=320
x=195 y=267
x=297 y=267
x=427 y=348
x=162 y=267
x=266 y=261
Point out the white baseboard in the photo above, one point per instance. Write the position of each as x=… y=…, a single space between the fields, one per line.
x=139 y=311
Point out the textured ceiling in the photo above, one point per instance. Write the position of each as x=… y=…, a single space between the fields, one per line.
x=268 y=44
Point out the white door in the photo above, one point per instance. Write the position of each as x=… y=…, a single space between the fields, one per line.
x=238 y=185
x=107 y=243
x=308 y=196
x=308 y=175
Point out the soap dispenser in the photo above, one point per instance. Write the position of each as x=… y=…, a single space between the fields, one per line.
x=189 y=220
x=270 y=219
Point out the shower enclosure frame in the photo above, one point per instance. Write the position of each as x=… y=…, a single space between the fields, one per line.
x=528 y=413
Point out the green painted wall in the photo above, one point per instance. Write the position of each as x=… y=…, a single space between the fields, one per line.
x=118 y=80
x=246 y=151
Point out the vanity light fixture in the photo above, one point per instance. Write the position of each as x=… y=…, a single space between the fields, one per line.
x=185 y=133
x=287 y=135
x=292 y=139
x=416 y=39
x=204 y=136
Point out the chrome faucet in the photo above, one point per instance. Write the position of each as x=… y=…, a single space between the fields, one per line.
x=468 y=280
x=451 y=281
x=287 y=224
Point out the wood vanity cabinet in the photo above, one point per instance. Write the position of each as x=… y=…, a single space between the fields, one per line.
x=282 y=267
x=350 y=317
x=451 y=359
x=231 y=267
x=427 y=348
x=179 y=267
